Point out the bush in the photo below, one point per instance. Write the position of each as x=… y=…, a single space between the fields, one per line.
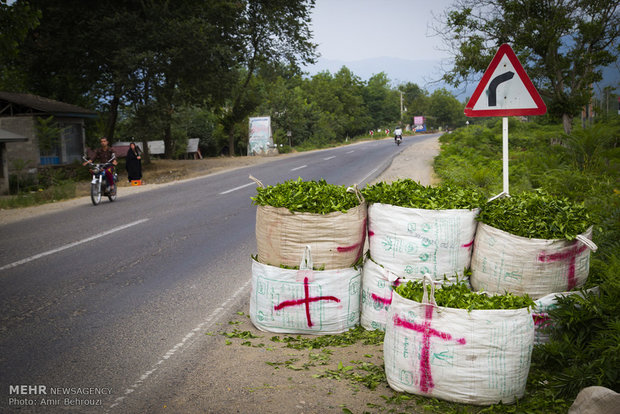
x=583 y=169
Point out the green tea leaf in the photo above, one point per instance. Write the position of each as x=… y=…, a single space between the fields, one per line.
x=537 y=215
x=408 y=193
x=306 y=196
x=460 y=296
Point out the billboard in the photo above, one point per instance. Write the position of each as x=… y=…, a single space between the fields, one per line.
x=419 y=123
x=260 y=139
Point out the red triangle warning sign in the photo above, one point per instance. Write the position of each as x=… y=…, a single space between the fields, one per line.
x=505 y=89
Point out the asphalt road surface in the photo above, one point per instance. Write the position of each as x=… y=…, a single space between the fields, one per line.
x=99 y=302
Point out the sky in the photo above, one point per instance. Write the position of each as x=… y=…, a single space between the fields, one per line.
x=390 y=36
x=350 y=30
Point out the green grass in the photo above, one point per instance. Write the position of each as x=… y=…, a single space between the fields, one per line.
x=61 y=191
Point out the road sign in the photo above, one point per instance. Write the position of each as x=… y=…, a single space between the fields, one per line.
x=505 y=89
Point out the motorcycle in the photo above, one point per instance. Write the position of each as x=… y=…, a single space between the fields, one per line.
x=98 y=172
x=398 y=139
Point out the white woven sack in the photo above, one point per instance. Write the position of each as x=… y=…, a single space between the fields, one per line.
x=337 y=239
x=503 y=262
x=378 y=284
x=304 y=301
x=413 y=242
x=540 y=313
x=478 y=357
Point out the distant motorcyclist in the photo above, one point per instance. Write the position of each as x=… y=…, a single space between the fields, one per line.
x=398 y=134
x=102 y=156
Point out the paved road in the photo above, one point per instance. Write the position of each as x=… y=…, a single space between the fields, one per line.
x=105 y=299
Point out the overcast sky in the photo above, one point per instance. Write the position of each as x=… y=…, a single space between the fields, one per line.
x=352 y=30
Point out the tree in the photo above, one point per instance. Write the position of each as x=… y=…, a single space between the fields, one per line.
x=52 y=59
x=270 y=31
x=16 y=20
x=340 y=100
x=152 y=55
x=48 y=134
x=285 y=101
x=182 y=47
x=383 y=102
x=562 y=44
x=415 y=100
x=444 y=109
x=354 y=117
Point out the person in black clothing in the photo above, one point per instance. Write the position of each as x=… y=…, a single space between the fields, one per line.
x=133 y=163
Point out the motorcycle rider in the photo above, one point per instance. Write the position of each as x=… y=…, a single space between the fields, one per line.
x=398 y=133
x=103 y=155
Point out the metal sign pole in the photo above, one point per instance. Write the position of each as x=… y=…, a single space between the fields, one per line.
x=505 y=90
x=505 y=153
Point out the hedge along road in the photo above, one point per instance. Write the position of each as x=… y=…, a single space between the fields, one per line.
x=115 y=299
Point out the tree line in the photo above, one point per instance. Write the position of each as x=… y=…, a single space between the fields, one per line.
x=175 y=70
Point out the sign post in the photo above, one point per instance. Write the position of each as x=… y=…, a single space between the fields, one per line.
x=505 y=90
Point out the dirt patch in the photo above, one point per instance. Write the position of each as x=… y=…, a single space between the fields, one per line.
x=164 y=171
x=261 y=372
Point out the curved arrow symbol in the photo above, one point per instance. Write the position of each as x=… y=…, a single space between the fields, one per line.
x=493 y=86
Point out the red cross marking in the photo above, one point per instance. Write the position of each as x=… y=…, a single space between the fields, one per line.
x=357 y=246
x=468 y=245
x=569 y=255
x=386 y=301
x=426 y=381
x=305 y=301
x=541 y=319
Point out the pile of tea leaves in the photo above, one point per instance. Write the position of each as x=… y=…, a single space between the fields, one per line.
x=408 y=193
x=537 y=215
x=307 y=196
x=459 y=296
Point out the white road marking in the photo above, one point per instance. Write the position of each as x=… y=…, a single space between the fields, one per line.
x=236 y=188
x=349 y=152
x=70 y=245
x=184 y=342
x=329 y=158
x=299 y=168
x=368 y=175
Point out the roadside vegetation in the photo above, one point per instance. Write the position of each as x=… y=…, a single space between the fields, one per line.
x=583 y=168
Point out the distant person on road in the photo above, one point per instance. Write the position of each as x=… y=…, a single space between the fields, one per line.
x=398 y=132
x=103 y=155
x=133 y=163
